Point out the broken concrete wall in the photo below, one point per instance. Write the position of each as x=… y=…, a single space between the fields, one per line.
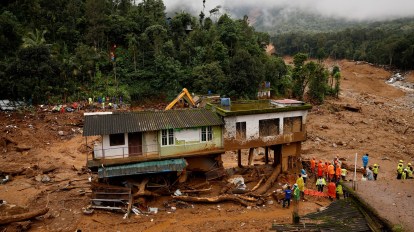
x=291 y=129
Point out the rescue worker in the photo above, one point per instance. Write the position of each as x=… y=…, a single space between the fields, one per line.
x=326 y=165
x=320 y=168
x=288 y=195
x=375 y=171
x=370 y=174
x=365 y=161
x=343 y=173
x=304 y=175
x=301 y=186
x=312 y=165
x=338 y=172
x=399 y=171
x=404 y=174
x=331 y=172
x=338 y=190
x=296 y=193
x=320 y=183
x=409 y=171
x=331 y=190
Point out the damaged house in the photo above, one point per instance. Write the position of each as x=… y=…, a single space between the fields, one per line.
x=158 y=141
x=154 y=141
x=277 y=125
x=176 y=142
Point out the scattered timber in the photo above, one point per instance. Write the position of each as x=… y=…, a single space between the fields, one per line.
x=263 y=189
x=216 y=199
x=22 y=217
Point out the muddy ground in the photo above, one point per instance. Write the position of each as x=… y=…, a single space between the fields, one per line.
x=45 y=153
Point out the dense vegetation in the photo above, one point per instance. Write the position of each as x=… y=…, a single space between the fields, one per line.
x=390 y=43
x=70 y=50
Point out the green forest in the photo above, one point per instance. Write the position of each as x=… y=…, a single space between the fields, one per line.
x=383 y=43
x=60 y=51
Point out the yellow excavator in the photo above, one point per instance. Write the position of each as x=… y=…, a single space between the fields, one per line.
x=184 y=95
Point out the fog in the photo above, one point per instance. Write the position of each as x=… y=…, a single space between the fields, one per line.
x=341 y=9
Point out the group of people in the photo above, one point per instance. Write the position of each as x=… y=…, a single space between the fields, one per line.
x=404 y=172
x=331 y=171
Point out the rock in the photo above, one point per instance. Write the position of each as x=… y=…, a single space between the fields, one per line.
x=334 y=145
x=324 y=127
x=61 y=133
x=23 y=147
x=42 y=178
x=29 y=173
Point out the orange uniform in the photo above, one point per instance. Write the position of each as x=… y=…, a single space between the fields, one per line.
x=331 y=171
x=312 y=164
x=338 y=171
x=332 y=190
x=321 y=170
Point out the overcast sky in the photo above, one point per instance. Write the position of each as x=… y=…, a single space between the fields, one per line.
x=348 y=9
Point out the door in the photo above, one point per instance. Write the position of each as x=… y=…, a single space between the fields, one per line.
x=135 y=143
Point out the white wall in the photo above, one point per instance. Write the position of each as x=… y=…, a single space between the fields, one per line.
x=188 y=135
x=252 y=122
x=150 y=142
x=111 y=151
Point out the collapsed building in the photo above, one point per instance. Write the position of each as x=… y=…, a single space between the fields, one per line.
x=178 y=141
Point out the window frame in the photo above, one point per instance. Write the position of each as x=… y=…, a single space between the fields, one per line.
x=206 y=133
x=242 y=127
x=265 y=127
x=116 y=139
x=167 y=137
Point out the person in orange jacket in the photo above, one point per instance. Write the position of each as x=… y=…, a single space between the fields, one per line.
x=331 y=171
x=338 y=172
x=312 y=165
x=332 y=190
x=326 y=170
x=321 y=169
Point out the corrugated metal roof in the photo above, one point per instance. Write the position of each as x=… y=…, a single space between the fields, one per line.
x=170 y=165
x=127 y=122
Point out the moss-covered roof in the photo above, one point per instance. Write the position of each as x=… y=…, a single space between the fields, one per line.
x=256 y=107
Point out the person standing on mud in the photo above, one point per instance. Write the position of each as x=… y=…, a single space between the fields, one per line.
x=312 y=165
x=331 y=190
x=375 y=171
x=301 y=186
x=331 y=172
x=288 y=195
x=320 y=183
x=365 y=161
x=399 y=170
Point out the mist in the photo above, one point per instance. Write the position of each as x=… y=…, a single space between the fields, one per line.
x=355 y=10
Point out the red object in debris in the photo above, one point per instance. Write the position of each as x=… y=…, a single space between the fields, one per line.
x=75 y=105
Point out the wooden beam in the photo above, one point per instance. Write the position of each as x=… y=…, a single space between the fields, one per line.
x=266 y=155
x=239 y=163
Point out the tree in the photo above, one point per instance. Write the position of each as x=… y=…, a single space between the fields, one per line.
x=34 y=39
x=299 y=77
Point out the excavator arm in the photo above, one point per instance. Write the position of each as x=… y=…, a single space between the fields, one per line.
x=183 y=95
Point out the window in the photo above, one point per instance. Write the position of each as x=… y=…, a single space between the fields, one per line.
x=291 y=125
x=241 y=130
x=167 y=137
x=116 y=139
x=206 y=133
x=269 y=127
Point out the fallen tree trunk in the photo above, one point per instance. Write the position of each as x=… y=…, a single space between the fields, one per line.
x=216 y=199
x=22 y=217
x=258 y=184
x=196 y=190
x=263 y=189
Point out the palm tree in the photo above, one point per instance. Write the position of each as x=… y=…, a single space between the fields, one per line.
x=33 y=39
